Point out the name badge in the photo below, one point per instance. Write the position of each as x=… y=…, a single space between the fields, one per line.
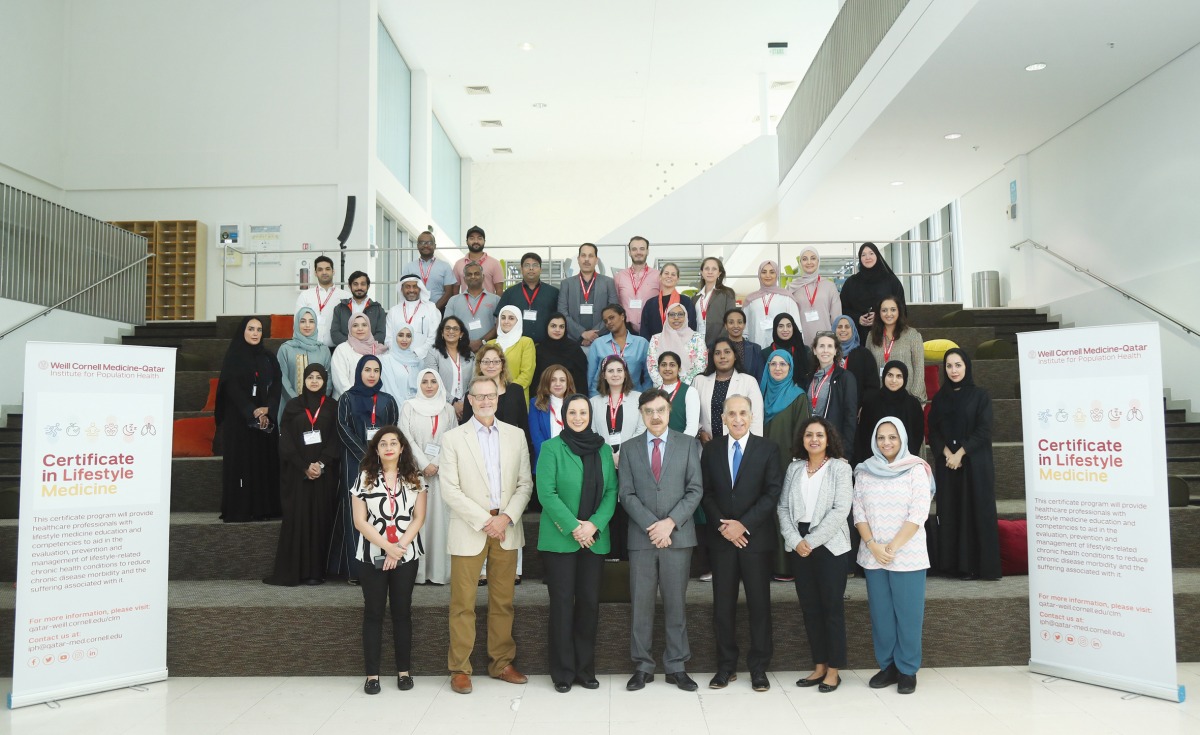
x=768 y=327
x=635 y=303
x=811 y=316
x=312 y=437
x=585 y=308
x=475 y=325
x=614 y=439
x=371 y=432
x=254 y=390
x=432 y=450
x=531 y=315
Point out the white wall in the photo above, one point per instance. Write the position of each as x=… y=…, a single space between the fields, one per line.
x=31 y=53
x=57 y=326
x=1115 y=192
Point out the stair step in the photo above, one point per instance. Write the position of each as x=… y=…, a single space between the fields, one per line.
x=928 y=315
x=14 y=421
x=10 y=450
x=227 y=325
x=1183 y=430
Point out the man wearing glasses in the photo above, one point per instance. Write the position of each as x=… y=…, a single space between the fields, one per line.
x=486 y=483
x=535 y=300
x=475 y=307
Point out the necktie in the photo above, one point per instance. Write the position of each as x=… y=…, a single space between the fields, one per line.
x=656 y=460
x=737 y=459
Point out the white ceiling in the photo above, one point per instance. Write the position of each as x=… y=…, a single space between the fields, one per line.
x=975 y=84
x=622 y=79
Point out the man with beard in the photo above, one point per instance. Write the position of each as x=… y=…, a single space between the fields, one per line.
x=436 y=274
x=637 y=285
x=417 y=312
x=493 y=274
x=323 y=298
x=475 y=307
x=358 y=303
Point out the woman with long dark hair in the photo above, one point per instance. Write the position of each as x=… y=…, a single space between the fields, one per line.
x=246 y=416
x=786 y=336
x=451 y=357
x=654 y=316
x=892 y=339
x=863 y=291
x=388 y=501
x=545 y=408
x=713 y=299
x=722 y=378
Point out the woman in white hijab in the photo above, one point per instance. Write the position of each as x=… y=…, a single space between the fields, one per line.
x=817 y=297
x=424 y=420
x=400 y=362
x=520 y=353
x=684 y=341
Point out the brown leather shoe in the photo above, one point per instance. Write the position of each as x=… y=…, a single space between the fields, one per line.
x=511 y=675
x=460 y=683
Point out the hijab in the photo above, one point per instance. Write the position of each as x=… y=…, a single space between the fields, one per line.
x=905 y=461
x=949 y=405
x=892 y=402
x=399 y=364
x=312 y=346
x=366 y=346
x=802 y=278
x=585 y=445
x=362 y=397
x=863 y=291
x=677 y=340
x=561 y=351
x=800 y=352
x=879 y=273
x=852 y=343
x=779 y=394
x=246 y=367
x=506 y=340
x=428 y=407
x=764 y=290
x=311 y=400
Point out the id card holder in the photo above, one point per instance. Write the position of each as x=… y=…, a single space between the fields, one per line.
x=371 y=432
x=392 y=535
x=254 y=390
x=531 y=315
x=475 y=325
x=432 y=450
x=635 y=303
x=585 y=309
x=312 y=437
x=811 y=316
x=614 y=439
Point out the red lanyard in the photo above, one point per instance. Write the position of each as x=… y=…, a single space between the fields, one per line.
x=813 y=296
x=391 y=494
x=435 y=425
x=530 y=299
x=767 y=305
x=458 y=370
x=554 y=416
x=425 y=275
x=816 y=394
x=612 y=412
x=478 y=303
x=312 y=417
x=672 y=399
x=322 y=304
x=702 y=303
x=662 y=312
x=587 y=290
x=620 y=354
x=887 y=349
x=404 y=308
x=637 y=282
x=374 y=401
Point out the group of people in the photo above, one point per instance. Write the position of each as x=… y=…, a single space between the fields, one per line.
x=765 y=435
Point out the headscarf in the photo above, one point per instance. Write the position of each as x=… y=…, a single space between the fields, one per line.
x=863 y=290
x=313 y=345
x=311 y=400
x=878 y=273
x=506 y=340
x=426 y=295
x=949 y=404
x=779 y=394
x=677 y=340
x=802 y=278
x=362 y=398
x=428 y=407
x=562 y=351
x=800 y=352
x=904 y=463
x=246 y=367
x=585 y=445
x=366 y=346
x=764 y=290
x=892 y=402
x=398 y=364
x=853 y=342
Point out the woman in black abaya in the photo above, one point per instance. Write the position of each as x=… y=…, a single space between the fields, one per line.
x=960 y=437
x=247 y=401
x=559 y=349
x=871 y=284
x=309 y=450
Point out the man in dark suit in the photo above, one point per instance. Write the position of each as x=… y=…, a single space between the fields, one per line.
x=742 y=484
x=660 y=490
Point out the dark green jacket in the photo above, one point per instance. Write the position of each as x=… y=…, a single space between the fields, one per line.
x=559 y=477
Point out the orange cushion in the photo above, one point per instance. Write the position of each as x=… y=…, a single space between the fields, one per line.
x=282 y=326
x=211 y=403
x=193 y=437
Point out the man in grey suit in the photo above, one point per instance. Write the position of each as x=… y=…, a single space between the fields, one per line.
x=582 y=297
x=660 y=489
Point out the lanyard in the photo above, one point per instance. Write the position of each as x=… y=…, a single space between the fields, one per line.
x=813 y=296
x=887 y=349
x=672 y=399
x=816 y=394
x=365 y=306
x=374 y=400
x=435 y=425
x=458 y=370
x=637 y=282
x=844 y=361
x=425 y=275
x=767 y=304
x=478 y=303
x=587 y=290
x=328 y=297
x=620 y=354
x=404 y=308
x=702 y=303
x=530 y=299
x=391 y=494
x=612 y=412
x=312 y=417
x=554 y=416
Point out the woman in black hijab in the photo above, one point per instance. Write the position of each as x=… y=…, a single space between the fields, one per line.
x=787 y=336
x=893 y=399
x=247 y=399
x=559 y=349
x=309 y=450
x=577 y=486
x=960 y=437
x=866 y=288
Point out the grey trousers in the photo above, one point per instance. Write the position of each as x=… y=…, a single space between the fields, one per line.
x=652 y=571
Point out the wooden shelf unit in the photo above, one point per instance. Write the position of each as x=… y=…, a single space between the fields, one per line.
x=175 y=276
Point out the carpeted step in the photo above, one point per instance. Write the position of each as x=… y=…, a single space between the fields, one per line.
x=921 y=316
x=1183 y=430
x=191 y=388
x=1183 y=447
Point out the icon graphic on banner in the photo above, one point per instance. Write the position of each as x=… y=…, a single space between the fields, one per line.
x=43 y=364
x=1062 y=415
x=1045 y=635
x=1097 y=415
x=52 y=430
x=47 y=660
x=93 y=431
x=64 y=657
x=1044 y=416
x=110 y=429
x=1083 y=641
x=1135 y=414
x=73 y=429
x=78 y=655
x=148 y=429
x=1080 y=418
x=1115 y=414
x=1058 y=637
x=33 y=662
x=92 y=653
x=1070 y=640
x=1096 y=644
x=129 y=429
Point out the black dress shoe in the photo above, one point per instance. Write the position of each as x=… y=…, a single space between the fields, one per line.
x=759 y=681
x=721 y=679
x=371 y=686
x=639 y=680
x=404 y=682
x=314 y=582
x=827 y=688
x=588 y=683
x=805 y=683
x=885 y=678
x=562 y=687
x=683 y=681
x=907 y=683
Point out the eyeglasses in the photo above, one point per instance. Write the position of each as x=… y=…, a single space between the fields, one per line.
x=485 y=397
x=491 y=362
x=450 y=328
x=656 y=411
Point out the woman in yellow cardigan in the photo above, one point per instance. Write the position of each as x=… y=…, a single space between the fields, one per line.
x=577 y=486
x=519 y=351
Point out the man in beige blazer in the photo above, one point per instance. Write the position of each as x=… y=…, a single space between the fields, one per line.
x=486 y=483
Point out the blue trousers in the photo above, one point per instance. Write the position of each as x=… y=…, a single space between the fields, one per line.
x=897 y=604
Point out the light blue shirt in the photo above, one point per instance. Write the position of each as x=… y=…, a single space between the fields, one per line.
x=661 y=447
x=636 y=350
x=489 y=444
x=437 y=274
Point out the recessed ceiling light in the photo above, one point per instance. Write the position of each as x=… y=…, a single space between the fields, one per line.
x=480 y=89
x=527 y=46
x=502 y=150
x=539 y=105
x=491 y=124
x=897 y=183
x=1035 y=67
x=952 y=136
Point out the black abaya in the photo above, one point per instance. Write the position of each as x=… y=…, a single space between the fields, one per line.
x=863 y=290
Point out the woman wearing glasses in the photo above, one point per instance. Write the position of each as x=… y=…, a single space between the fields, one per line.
x=452 y=359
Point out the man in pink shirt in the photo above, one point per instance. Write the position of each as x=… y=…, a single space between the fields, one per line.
x=637 y=285
x=493 y=274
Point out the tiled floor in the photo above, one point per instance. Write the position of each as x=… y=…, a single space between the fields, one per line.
x=975 y=700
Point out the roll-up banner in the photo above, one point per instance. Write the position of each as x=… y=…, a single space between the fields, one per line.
x=91 y=609
x=1101 y=606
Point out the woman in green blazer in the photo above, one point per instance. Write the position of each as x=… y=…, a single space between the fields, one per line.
x=577 y=486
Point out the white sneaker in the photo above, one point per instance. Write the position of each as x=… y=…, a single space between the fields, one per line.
x=706 y=577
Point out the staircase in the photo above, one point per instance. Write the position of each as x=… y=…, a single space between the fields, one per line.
x=223 y=621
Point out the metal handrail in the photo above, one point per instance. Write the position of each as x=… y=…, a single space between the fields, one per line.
x=77 y=294
x=1080 y=269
